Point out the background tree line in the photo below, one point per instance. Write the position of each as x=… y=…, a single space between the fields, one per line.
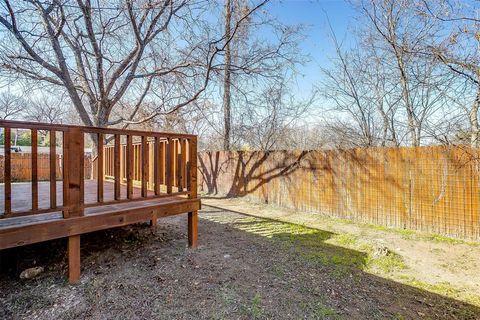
x=410 y=75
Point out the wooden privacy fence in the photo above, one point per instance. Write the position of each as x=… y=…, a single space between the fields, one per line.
x=21 y=167
x=433 y=189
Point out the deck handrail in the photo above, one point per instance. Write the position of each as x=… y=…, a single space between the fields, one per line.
x=168 y=165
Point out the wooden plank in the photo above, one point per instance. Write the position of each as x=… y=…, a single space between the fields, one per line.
x=184 y=164
x=176 y=158
x=100 y=166
x=116 y=166
x=73 y=166
x=144 y=166
x=170 y=169
x=193 y=167
x=34 y=155
x=74 y=259
x=129 y=167
x=65 y=173
x=161 y=162
x=86 y=129
x=8 y=171
x=53 y=169
x=33 y=233
x=156 y=164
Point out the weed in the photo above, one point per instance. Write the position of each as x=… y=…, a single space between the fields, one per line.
x=255 y=307
x=321 y=311
x=344 y=240
x=387 y=264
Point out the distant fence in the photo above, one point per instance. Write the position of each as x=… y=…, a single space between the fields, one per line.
x=433 y=189
x=22 y=167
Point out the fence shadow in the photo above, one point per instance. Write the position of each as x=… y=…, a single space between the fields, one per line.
x=432 y=189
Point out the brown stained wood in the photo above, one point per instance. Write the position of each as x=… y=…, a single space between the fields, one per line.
x=74 y=172
x=74 y=259
x=7 y=177
x=100 y=168
x=86 y=129
x=144 y=166
x=192 y=229
x=153 y=222
x=193 y=167
x=161 y=162
x=53 y=169
x=76 y=217
x=156 y=164
x=104 y=219
x=65 y=173
x=170 y=169
x=129 y=167
x=34 y=168
x=183 y=167
x=116 y=164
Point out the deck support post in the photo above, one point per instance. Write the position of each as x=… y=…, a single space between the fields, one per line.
x=192 y=229
x=192 y=184
x=153 y=222
x=74 y=259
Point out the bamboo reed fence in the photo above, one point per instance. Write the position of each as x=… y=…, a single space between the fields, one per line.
x=434 y=189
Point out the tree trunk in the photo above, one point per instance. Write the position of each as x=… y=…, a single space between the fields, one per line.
x=226 y=82
x=473 y=117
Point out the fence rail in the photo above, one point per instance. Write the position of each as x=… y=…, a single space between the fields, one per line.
x=433 y=189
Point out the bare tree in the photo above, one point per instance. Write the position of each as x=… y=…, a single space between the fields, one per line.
x=227 y=118
x=109 y=55
x=402 y=35
x=459 y=50
x=11 y=106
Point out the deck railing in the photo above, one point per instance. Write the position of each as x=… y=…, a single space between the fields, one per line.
x=162 y=163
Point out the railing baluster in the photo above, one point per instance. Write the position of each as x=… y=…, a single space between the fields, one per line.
x=161 y=164
x=176 y=164
x=100 y=168
x=129 y=167
x=8 y=173
x=53 y=169
x=34 y=158
x=193 y=167
x=170 y=169
x=116 y=167
x=144 y=166
x=184 y=164
x=156 y=163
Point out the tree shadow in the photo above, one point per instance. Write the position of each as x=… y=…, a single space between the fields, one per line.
x=415 y=188
x=239 y=173
x=293 y=268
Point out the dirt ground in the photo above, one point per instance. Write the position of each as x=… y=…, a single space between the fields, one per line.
x=246 y=267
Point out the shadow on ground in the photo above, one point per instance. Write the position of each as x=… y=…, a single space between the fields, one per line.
x=245 y=268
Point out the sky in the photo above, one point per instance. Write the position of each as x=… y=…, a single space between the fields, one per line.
x=317 y=45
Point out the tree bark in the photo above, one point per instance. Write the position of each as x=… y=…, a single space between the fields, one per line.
x=473 y=117
x=226 y=81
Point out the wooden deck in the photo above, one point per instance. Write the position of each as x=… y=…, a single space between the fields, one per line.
x=148 y=176
x=21 y=201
